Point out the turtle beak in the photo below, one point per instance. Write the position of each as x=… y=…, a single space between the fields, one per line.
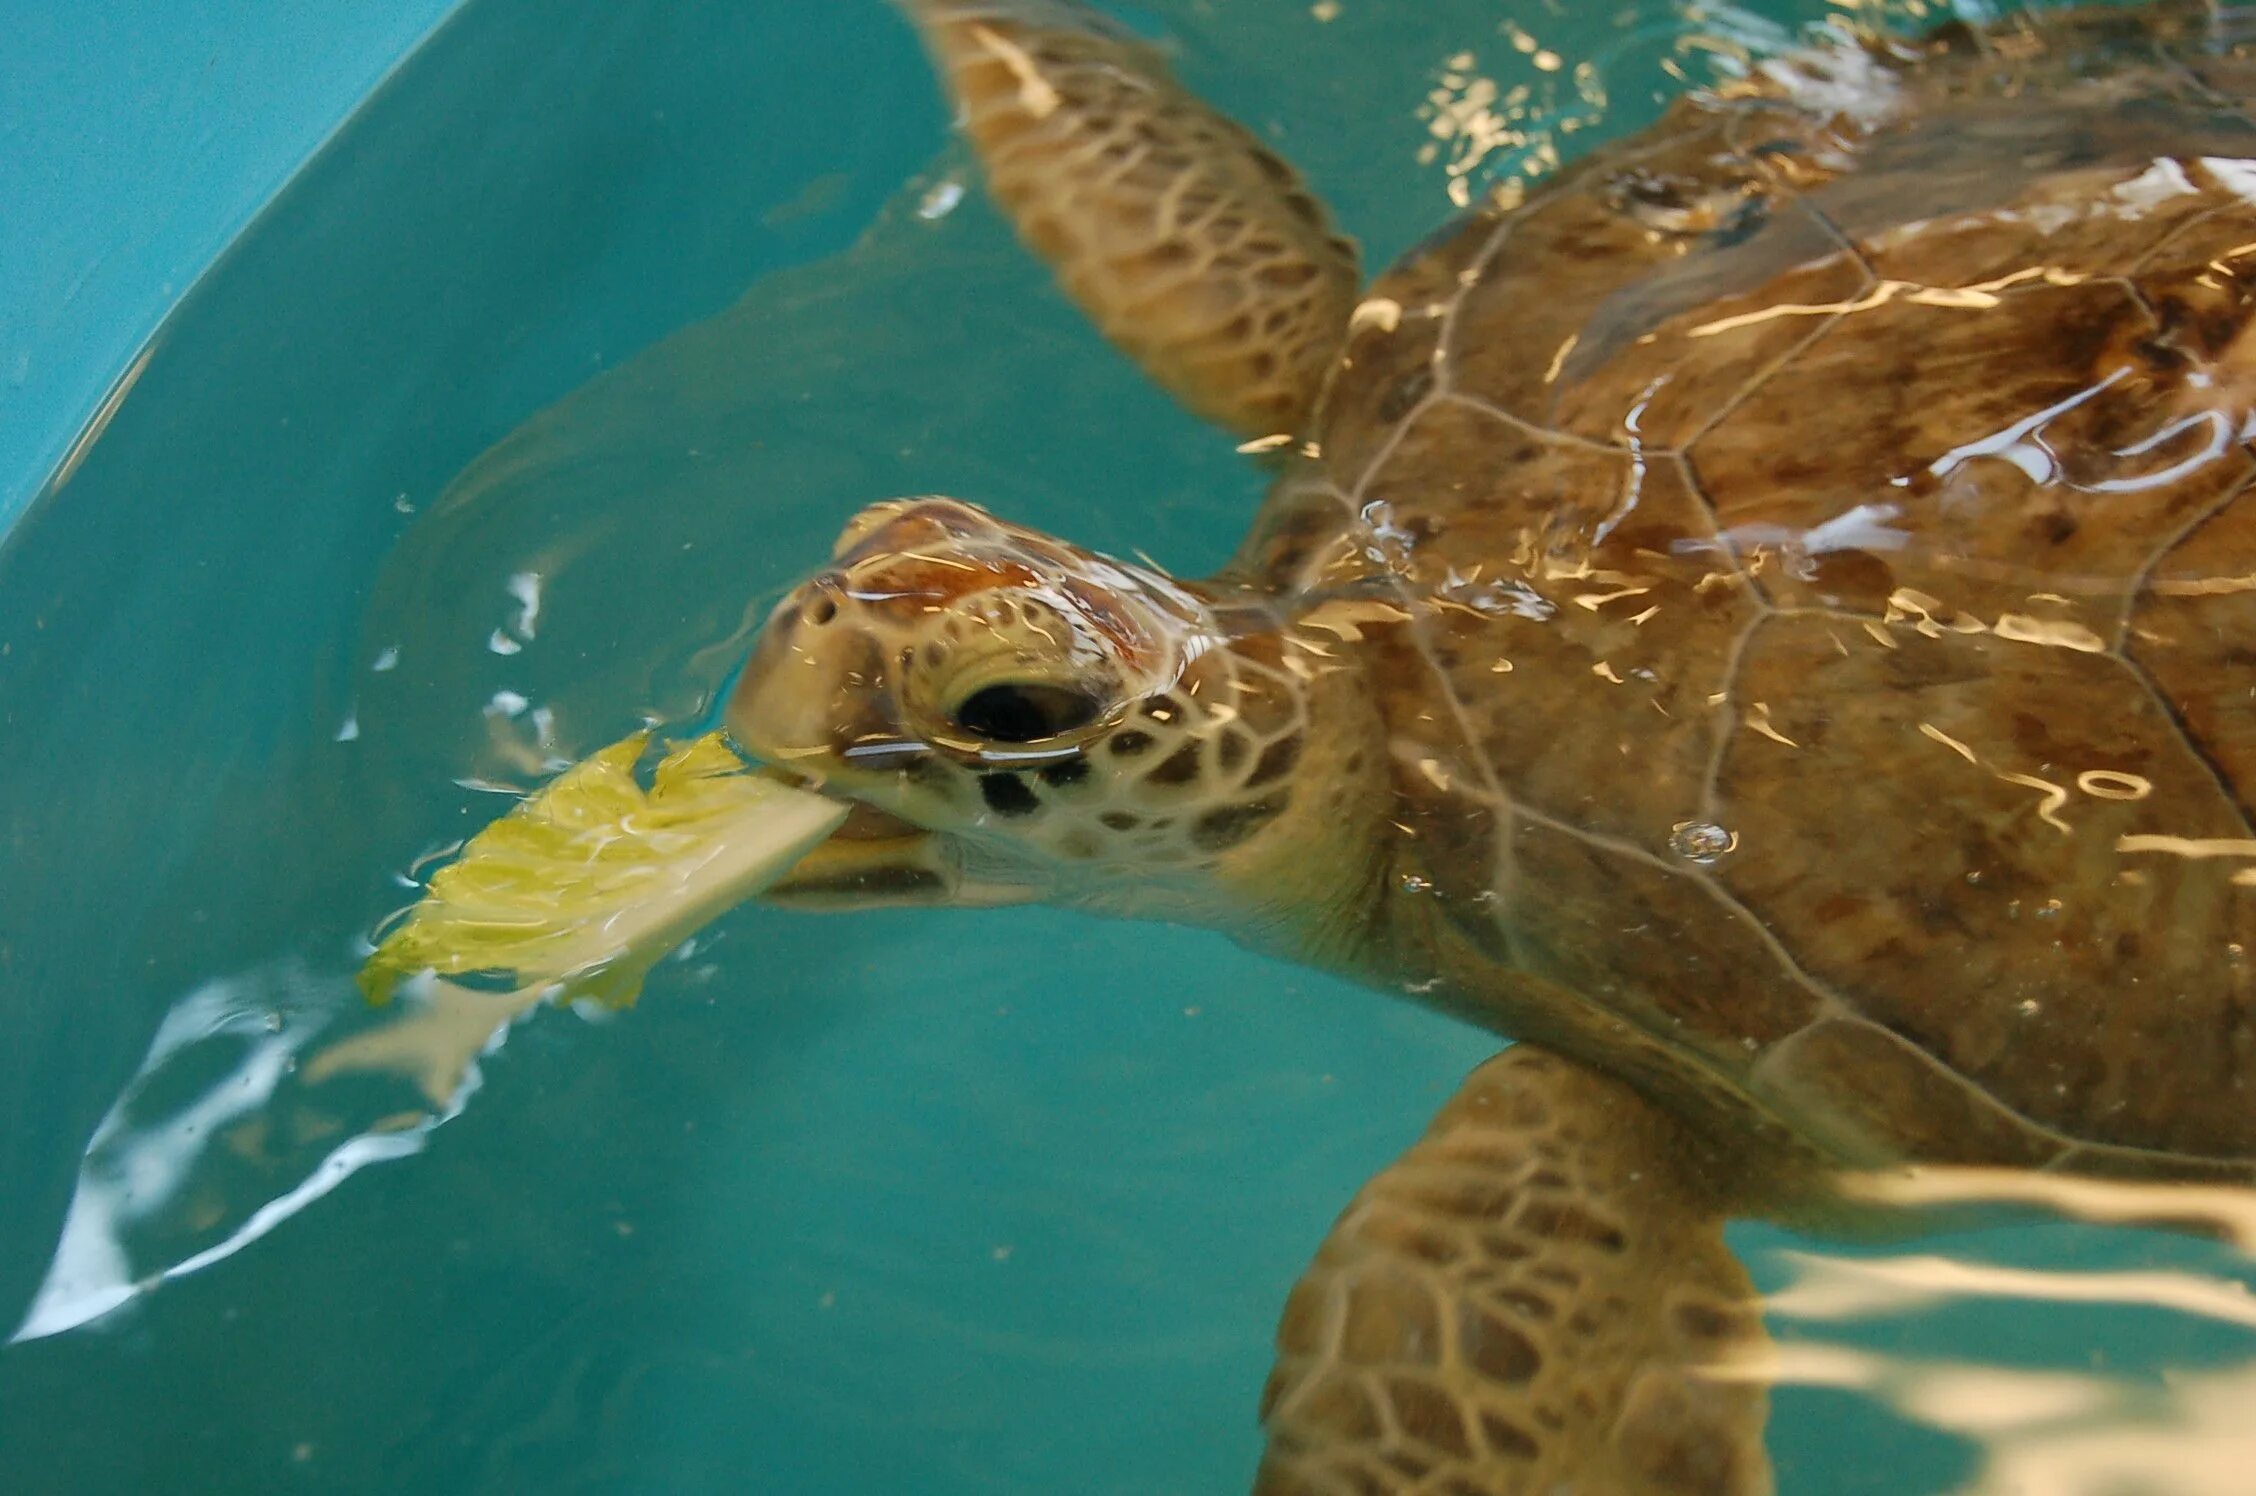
x=815 y=695
x=811 y=699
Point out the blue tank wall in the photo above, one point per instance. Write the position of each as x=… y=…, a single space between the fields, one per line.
x=135 y=140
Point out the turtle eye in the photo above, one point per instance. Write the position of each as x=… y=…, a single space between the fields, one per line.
x=1009 y=712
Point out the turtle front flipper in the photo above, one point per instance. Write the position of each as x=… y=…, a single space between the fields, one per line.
x=1535 y=1298
x=1192 y=246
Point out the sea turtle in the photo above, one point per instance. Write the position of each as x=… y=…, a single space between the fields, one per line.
x=1768 y=621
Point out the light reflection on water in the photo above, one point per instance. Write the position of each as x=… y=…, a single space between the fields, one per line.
x=2085 y=1432
x=526 y=527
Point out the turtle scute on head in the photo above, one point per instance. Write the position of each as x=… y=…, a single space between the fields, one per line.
x=1768 y=622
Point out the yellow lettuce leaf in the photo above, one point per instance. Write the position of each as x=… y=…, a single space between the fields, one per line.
x=587 y=884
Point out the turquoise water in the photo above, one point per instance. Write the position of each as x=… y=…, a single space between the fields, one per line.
x=641 y=302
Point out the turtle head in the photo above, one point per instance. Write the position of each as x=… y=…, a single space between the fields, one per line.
x=1017 y=719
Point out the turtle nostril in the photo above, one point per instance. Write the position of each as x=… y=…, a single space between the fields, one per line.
x=822 y=599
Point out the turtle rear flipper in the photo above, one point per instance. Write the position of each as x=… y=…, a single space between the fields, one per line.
x=1535 y=1298
x=1189 y=243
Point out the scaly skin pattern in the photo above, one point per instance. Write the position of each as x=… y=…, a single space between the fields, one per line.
x=1482 y=1318
x=1189 y=243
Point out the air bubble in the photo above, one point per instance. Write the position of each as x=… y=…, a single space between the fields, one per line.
x=1703 y=842
x=940 y=201
x=1413 y=883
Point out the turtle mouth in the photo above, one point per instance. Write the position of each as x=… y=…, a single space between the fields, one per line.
x=864 y=822
x=874 y=857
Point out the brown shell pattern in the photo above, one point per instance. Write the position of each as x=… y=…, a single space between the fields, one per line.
x=1824 y=519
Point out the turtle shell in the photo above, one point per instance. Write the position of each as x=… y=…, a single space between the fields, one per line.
x=1831 y=593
